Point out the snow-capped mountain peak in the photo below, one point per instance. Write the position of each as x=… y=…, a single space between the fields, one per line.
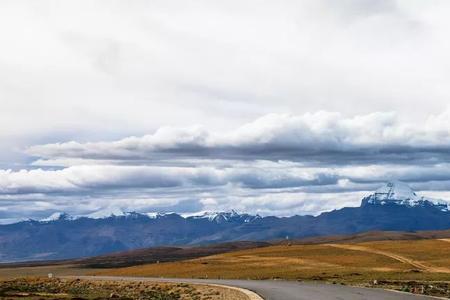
x=397 y=192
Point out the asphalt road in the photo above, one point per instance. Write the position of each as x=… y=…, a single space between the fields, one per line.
x=289 y=290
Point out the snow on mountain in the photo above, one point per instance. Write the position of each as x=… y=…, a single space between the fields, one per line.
x=154 y=215
x=214 y=216
x=107 y=212
x=397 y=192
x=57 y=216
x=220 y=217
x=158 y=215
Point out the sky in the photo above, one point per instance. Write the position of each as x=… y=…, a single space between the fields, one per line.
x=276 y=108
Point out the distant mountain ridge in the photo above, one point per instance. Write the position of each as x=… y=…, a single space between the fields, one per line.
x=218 y=217
x=393 y=207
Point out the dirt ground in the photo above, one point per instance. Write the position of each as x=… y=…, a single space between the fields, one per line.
x=44 y=288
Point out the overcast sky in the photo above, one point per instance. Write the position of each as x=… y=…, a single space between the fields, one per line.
x=280 y=108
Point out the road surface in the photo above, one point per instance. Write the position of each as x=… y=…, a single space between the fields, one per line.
x=288 y=290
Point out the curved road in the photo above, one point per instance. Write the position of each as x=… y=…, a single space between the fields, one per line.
x=288 y=290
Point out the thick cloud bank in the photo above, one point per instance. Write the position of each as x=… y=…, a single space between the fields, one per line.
x=277 y=164
x=321 y=137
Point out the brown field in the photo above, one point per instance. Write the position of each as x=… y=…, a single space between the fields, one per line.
x=372 y=236
x=142 y=256
x=422 y=260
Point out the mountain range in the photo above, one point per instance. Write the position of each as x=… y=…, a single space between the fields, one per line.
x=393 y=207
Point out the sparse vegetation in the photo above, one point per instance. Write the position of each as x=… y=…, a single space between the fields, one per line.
x=42 y=288
x=432 y=288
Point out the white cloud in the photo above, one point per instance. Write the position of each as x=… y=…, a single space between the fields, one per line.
x=103 y=178
x=150 y=71
x=115 y=65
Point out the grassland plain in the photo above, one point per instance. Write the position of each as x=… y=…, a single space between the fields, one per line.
x=423 y=260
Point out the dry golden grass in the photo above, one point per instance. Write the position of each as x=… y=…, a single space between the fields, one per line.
x=385 y=260
x=430 y=252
